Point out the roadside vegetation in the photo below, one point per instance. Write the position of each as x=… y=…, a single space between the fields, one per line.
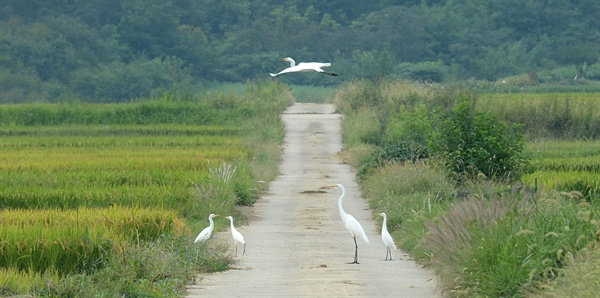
x=106 y=199
x=497 y=192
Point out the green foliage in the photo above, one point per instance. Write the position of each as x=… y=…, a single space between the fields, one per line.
x=146 y=269
x=579 y=278
x=80 y=240
x=399 y=152
x=119 y=50
x=486 y=238
x=362 y=94
x=469 y=143
x=364 y=127
x=409 y=126
x=423 y=71
x=409 y=194
x=586 y=183
x=119 y=82
x=565 y=166
x=562 y=115
x=504 y=246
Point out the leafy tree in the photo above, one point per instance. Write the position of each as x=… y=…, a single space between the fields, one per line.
x=47 y=44
x=469 y=143
x=581 y=56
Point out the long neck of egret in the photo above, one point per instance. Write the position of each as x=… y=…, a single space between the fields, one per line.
x=342 y=213
x=292 y=62
x=384 y=227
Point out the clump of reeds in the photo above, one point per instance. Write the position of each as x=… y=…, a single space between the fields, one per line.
x=449 y=237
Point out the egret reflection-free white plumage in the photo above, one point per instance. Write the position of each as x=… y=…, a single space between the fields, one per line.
x=351 y=224
x=387 y=238
x=238 y=239
x=304 y=67
x=205 y=234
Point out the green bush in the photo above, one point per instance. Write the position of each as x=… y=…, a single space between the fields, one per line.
x=394 y=153
x=469 y=143
x=412 y=126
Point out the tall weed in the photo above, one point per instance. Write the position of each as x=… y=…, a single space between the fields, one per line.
x=507 y=244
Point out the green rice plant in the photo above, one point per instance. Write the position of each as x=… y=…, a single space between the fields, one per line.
x=15 y=282
x=120 y=130
x=77 y=240
x=133 y=223
x=554 y=115
x=141 y=155
x=161 y=268
x=573 y=164
x=553 y=148
x=587 y=183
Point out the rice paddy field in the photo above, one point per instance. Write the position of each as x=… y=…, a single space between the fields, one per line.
x=566 y=166
x=96 y=166
x=563 y=132
x=84 y=185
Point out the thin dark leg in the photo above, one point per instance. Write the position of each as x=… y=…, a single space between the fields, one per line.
x=355 y=252
x=388 y=251
x=244 y=252
x=236 y=250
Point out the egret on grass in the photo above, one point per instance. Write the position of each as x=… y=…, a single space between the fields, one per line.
x=387 y=238
x=304 y=67
x=237 y=237
x=352 y=225
x=205 y=234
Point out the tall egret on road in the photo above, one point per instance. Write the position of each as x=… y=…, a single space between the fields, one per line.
x=352 y=225
x=237 y=237
x=387 y=238
x=304 y=67
x=205 y=234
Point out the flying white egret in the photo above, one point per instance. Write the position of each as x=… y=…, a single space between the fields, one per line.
x=205 y=234
x=237 y=237
x=387 y=238
x=352 y=225
x=304 y=67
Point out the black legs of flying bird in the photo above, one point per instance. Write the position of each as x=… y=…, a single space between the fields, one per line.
x=333 y=74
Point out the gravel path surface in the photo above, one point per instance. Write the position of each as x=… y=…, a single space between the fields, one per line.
x=296 y=243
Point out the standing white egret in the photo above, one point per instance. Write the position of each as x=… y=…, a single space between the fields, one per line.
x=387 y=238
x=352 y=225
x=237 y=237
x=205 y=234
x=304 y=67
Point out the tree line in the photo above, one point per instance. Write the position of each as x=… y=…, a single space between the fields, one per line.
x=113 y=50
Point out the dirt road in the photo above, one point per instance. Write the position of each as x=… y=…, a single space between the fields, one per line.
x=297 y=245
